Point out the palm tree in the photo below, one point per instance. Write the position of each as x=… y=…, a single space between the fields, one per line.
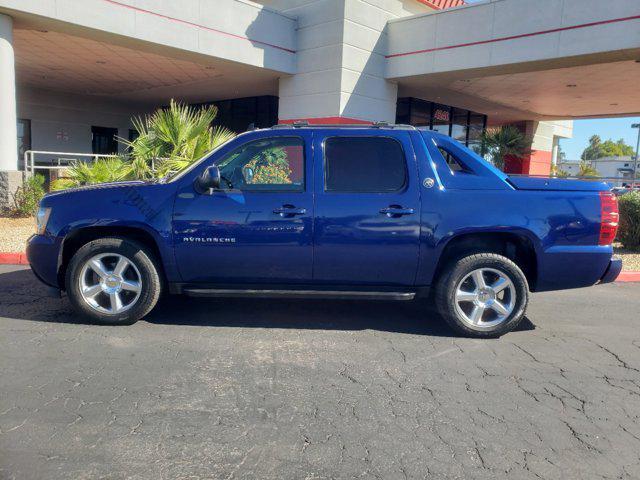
x=173 y=137
x=504 y=142
x=558 y=172
x=168 y=140
x=103 y=170
x=587 y=170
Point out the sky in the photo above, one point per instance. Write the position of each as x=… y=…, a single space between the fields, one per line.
x=609 y=128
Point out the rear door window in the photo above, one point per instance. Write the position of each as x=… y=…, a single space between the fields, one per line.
x=364 y=165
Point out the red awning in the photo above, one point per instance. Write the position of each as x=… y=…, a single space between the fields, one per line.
x=442 y=4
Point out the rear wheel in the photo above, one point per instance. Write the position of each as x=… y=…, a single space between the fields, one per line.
x=113 y=281
x=482 y=295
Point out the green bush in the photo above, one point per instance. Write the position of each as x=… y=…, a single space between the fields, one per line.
x=629 y=232
x=103 y=170
x=28 y=196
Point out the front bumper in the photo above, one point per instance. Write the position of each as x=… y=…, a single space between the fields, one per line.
x=614 y=269
x=43 y=255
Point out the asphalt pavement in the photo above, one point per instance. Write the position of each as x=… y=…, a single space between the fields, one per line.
x=266 y=389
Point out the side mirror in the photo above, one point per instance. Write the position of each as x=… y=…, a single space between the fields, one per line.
x=208 y=180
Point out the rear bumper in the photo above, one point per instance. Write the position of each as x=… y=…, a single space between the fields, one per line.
x=614 y=269
x=565 y=267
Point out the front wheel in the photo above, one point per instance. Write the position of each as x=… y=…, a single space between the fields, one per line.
x=113 y=281
x=483 y=295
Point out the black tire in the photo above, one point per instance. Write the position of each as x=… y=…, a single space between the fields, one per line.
x=457 y=271
x=142 y=260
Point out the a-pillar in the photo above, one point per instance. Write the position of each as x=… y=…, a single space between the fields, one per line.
x=10 y=178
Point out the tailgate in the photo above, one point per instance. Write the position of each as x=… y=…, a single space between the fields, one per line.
x=558 y=184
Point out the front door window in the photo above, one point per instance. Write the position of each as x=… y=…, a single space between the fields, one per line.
x=266 y=165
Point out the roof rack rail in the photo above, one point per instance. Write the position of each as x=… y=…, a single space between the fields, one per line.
x=305 y=124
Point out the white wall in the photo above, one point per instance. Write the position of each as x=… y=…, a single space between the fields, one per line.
x=235 y=30
x=499 y=19
x=341 y=59
x=71 y=115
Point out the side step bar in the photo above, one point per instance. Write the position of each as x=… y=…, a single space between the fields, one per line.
x=342 y=295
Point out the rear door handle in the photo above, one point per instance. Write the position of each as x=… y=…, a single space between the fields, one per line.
x=396 y=211
x=289 y=211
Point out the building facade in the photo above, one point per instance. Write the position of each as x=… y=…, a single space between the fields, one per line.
x=617 y=171
x=74 y=72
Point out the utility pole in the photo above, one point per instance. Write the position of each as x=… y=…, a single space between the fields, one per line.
x=635 y=161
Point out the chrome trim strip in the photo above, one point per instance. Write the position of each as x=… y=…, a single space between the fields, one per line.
x=335 y=294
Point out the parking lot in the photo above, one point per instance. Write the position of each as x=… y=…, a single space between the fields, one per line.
x=318 y=389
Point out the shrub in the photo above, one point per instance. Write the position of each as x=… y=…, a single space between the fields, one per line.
x=629 y=232
x=103 y=170
x=28 y=196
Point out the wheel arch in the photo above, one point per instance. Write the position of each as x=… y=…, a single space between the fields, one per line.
x=519 y=246
x=78 y=237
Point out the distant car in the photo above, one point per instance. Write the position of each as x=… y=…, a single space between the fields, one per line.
x=617 y=191
x=367 y=212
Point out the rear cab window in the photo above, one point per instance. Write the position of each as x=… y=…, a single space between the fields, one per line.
x=364 y=165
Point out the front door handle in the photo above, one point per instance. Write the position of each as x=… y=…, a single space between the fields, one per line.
x=289 y=211
x=394 y=211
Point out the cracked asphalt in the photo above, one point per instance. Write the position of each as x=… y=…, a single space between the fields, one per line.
x=258 y=389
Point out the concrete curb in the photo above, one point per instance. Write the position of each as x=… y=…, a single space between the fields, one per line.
x=628 y=277
x=21 y=259
x=13 y=259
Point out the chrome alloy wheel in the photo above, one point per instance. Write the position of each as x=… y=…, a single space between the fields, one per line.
x=485 y=298
x=110 y=283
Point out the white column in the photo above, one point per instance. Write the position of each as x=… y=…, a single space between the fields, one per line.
x=554 y=154
x=8 y=130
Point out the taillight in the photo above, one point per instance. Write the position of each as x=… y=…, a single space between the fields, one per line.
x=609 y=218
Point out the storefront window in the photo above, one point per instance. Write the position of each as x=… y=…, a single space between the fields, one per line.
x=239 y=114
x=463 y=125
x=459 y=123
x=441 y=119
x=477 y=125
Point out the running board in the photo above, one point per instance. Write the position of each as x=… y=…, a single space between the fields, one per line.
x=340 y=295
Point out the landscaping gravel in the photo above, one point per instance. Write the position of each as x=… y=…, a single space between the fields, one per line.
x=14 y=233
x=630 y=258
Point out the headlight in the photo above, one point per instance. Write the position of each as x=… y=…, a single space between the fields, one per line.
x=42 y=217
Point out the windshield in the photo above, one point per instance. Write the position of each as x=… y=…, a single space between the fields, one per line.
x=172 y=177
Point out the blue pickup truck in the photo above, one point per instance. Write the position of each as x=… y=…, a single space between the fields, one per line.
x=359 y=212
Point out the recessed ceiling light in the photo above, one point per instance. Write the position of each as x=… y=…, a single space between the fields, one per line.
x=572 y=85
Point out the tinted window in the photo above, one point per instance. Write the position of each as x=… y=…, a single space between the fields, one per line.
x=454 y=163
x=364 y=164
x=269 y=164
